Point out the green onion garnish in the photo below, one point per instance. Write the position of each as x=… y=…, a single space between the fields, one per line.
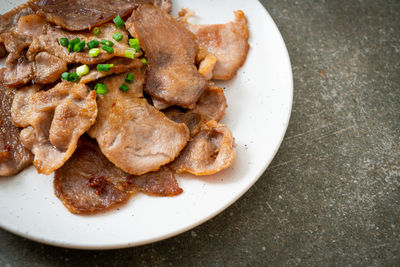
x=96 y=30
x=82 y=70
x=134 y=43
x=117 y=36
x=124 y=87
x=65 y=76
x=119 y=22
x=100 y=88
x=130 y=53
x=144 y=61
x=73 y=77
x=107 y=48
x=64 y=41
x=104 y=67
x=129 y=78
x=79 y=46
x=106 y=42
x=94 y=52
x=72 y=44
x=93 y=44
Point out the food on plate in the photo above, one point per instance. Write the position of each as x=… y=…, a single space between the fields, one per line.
x=115 y=98
x=13 y=155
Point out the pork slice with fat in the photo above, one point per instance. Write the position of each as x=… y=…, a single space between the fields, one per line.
x=211 y=150
x=53 y=121
x=170 y=50
x=131 y=133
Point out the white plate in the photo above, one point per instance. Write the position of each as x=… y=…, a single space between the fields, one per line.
x=259 y=99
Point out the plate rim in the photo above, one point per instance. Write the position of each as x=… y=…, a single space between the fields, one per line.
x=211 y=215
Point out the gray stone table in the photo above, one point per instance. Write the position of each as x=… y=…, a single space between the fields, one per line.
x=331 y=196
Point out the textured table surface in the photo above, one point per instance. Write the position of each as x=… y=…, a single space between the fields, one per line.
x=331 y=196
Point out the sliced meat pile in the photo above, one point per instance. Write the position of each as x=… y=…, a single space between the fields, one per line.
x=76 y=15
x=13 y=155
x=170 y=50
x=210 y=151
x=89 y=183
x=53 y=121
x=95 y=118
x=227 y=42
x=131 y=133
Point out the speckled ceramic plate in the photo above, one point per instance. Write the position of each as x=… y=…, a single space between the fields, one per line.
x=259 y=99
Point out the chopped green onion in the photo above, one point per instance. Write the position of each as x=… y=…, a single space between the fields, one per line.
x=65 y=76
x=119 y=22
x=144 y=61
x=93 y=44
x=129 y=78
x=94 y=52
x=64 y=41
x=100 y=88
x=104 y=67
x=130 y=53
x=124 y=87
x=79 y=46
x=96 y=30
x=73 y=77
x=72 y=43
x=134 y=43
x=82 y=70
x=107 y=48
x=106 y=42
x=117 y=36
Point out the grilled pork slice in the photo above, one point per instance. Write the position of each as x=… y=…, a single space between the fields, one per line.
x=89 y=183
x=210 y=151
x=171 y=50
x=131 y=133
x=211 y=106
x=13 y=155
x=76 y=15
x=53 y=121
x=227 y=42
